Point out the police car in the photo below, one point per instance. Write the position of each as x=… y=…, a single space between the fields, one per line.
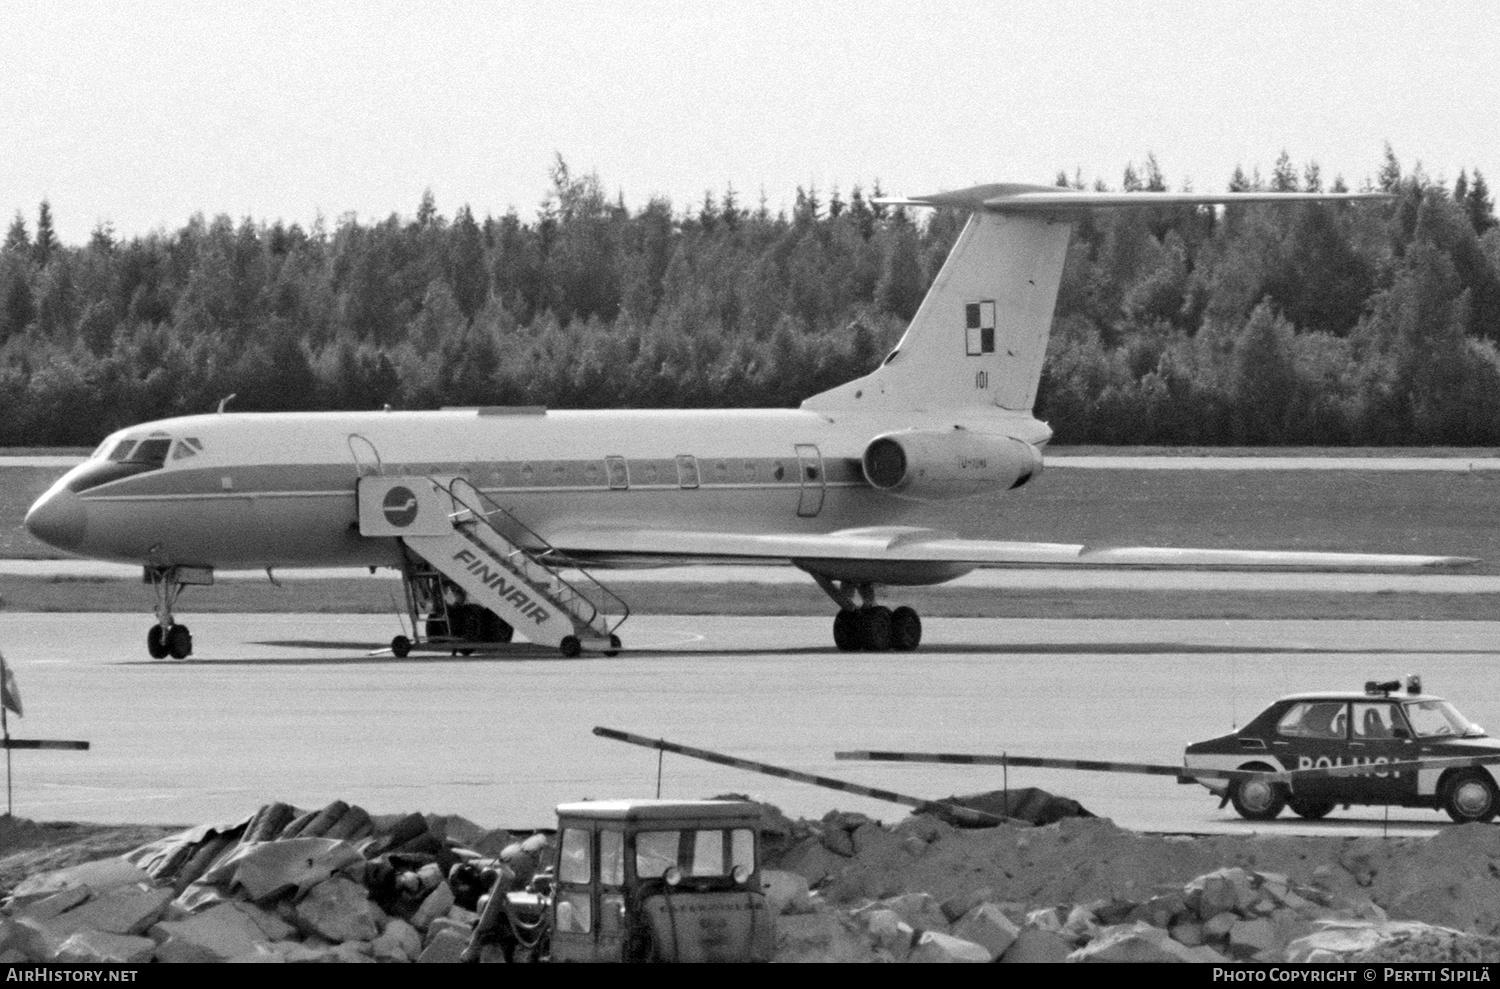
x=1384 y=724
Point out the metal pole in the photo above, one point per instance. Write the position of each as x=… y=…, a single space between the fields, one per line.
x=660 y=755
x=5 y=725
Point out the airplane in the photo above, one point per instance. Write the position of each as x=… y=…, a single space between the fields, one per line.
x=497 y=517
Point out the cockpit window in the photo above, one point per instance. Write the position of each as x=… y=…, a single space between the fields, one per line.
x=186 y=447
x=152 y=451
x=127 y=459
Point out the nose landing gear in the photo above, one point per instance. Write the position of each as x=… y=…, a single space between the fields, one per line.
x=166 y=637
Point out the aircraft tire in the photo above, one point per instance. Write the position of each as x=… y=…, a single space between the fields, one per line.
x=846 y=631
x=875 y=628
x=179 y=642
x=401 y=647
x=1471 y=796
x=1254 y=800
x=570 y=646
x=156 y=644
x=906 y=629
x=614 y=650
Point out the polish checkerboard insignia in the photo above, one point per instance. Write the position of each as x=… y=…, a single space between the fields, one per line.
x=979 y=328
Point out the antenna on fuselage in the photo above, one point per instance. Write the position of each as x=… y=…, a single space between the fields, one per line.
x=224 y=402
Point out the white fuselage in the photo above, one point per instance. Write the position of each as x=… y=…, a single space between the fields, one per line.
x=250 y=490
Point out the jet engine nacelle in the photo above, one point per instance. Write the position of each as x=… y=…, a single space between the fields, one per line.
x=939 y=465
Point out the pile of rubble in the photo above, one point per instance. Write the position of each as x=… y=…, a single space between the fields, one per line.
x=1083 y=889
x=1231 y=915
x=338 y=885
x=328 y=885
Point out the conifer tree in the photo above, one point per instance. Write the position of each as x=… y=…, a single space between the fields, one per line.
x=46 y=239
x=17 y=240
x=1478 y=205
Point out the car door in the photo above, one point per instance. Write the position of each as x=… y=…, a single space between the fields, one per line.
x=1314 y=734
x=1374 y=738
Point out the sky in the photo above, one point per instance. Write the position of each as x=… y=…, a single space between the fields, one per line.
x=140 y=113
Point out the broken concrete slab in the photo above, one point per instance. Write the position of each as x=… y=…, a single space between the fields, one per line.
x=50 y=906
x=786 y=892
x=1339 y=940
x=29 y=938
x=273 y=867
x=218 y=934
x=1035 y=945
x=272 y=926
x=355 y=824
x=339 y=909
x=399 y=942
x=920 y=910
x=824 y=936
x=935 y=947
x=125 y=910
x=956 y=907
x=268 y=822
x=1257 y=939
x=889 y=931
x=436 y=904
x=1139 y=942
x=98 y=876
x=87 y=947
x=987 y=926
x=447 y=947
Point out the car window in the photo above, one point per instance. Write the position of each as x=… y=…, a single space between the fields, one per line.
x=1432 y=719
x=1373 y=721
x=1313 y=719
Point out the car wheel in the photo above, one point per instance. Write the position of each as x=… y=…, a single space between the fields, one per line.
x=1257 y=800
x=1309 y=809
x=1471 y=796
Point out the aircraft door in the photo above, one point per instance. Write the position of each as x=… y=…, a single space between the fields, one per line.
x=810 y=474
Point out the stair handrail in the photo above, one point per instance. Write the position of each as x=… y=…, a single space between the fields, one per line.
x=495 y=508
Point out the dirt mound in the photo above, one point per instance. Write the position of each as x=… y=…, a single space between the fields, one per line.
x=1028 y=803
x=28 y=847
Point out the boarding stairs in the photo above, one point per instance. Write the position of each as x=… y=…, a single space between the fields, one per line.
x=500 y=563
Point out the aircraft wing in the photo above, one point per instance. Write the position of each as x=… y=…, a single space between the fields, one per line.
x=895 y=544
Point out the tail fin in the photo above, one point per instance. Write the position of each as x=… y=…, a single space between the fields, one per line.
x=980 y=335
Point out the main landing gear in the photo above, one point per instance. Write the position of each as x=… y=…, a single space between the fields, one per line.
x=166 y=637
x=869 y=626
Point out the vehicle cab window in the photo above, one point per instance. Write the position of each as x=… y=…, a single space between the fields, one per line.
x=1434 y=718
x=1313 y=719
x=575 y=875
x=1373 y=721
x=699 y=853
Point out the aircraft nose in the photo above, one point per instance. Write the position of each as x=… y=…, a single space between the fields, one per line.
x=58 y=519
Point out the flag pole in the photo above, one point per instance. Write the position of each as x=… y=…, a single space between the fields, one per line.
x=5 y=725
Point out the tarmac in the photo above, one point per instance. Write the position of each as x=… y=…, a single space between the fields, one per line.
x=295 y=708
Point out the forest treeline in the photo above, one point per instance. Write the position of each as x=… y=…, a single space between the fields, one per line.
x=1319 y=324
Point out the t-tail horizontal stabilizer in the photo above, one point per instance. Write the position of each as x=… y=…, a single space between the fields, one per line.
x=980 y=335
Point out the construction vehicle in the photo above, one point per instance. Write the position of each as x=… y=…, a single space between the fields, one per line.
x=639 y=881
